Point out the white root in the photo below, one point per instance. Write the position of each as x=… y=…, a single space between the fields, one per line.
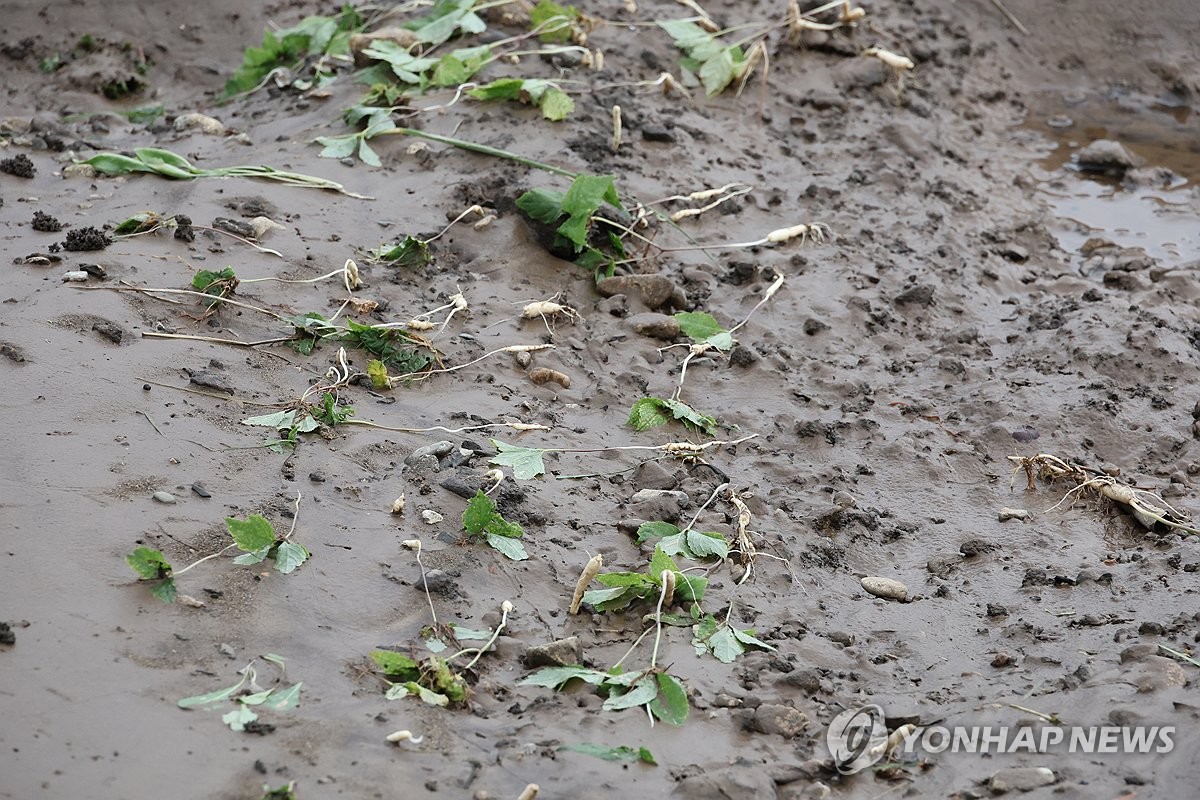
x=615 y=144
x=668 y=594
x=526 y=426
x=404 y=736
x=695 y=212
x=548 y=308
x=590 y=571
x=529 y=792
x=398 y=506
x=350 y=275
x=816 y=231
x=896 y=62
x=419 y=325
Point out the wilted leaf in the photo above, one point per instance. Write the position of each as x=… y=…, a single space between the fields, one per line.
x=508 y=547
x=239 y=717
x=640 y=693
x=619 y=753
x=649 y=412
x=526 y=462
x=289 y=555
x=148 y=563
x=557 y=677
x=478 y=513
x=394 y=664
x=670 y=704
x=556 y=105
x=542 y=205
x=283 y=699
x=251 y=534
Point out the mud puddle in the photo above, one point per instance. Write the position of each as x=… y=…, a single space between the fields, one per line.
x=1153 y=208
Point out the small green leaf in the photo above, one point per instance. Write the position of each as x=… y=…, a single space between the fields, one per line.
x=469 y=634
x=253 y=557
x=582 y=200
x=211 y=697
x=649 y=530
x=671 y=703
x=556 y=105
x=697 y=325
x=660 y=562
x=638 y=580
x=252 y=533
x=256 y=699
x=722 y=341
x=395 y=664
x=526 y=462
x=640 y=693
x=239 y=718
x=289 y=556
x=508 y=547
x=377 y=372
x=747 y=638
x=557 y=677
x=367 y=155
x=691 y=417
x=707 y=545
x=411 y=252
x=148 y=563
x=428 y=695
x=337 y=146
x=611 y=599
x=164 y=590
x=283 y=699
x=649 y=412
x=280 y=420
x=501 y=89
x=543 y=205
x=619 y=753
x=478 y=513
x=397 y=691
x=556 y=19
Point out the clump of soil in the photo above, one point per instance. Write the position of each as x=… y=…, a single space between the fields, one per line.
x=183 y=228
x=88 y=238
x=19 y=165
x=6 y=634
x=45 y=223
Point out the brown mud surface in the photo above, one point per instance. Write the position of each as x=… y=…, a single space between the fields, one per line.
x=950 y=322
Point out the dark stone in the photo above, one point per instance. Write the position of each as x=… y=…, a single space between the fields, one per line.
x=657 y=133
x=110 y=330
x=211 y=380
x=316 y=476
x=562 y=653
x=200 y=490
x=814 y=326
x=921 y=295
x=742 y=356
x=995 y=610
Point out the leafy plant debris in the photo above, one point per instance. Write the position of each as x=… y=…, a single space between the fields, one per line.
x=481 y=520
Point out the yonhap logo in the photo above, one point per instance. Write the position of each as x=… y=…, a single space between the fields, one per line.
x=857 y=738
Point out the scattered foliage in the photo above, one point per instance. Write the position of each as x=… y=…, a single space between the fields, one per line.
x=256 y=538
x=650 y=412
x=151 y=565
x=431 y=679
x=247 y=696
x=624 y=588
x=217 y=284
x=555 y=104
x=481 y=520
x=723 y=640
x=312 y=36
x=526 y=462
x=702 y=328
x=555 y=23
x=664 y=695
x=410 y=252
x=619 y=753
x=715 y=63
x=689 y=543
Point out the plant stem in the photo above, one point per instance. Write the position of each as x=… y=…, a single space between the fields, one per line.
x=482 y=149
x=491 y=641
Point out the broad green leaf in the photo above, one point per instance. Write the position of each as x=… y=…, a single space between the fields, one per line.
x=252 y=533
x=165 y=590
x=698 y=325
x=750 y=640
x=148 y=563
x=283 y=699
x=337 y=146
x=635 y=579
x=648 y=530
x=553 y=21
x=557 y=677
x=724 y=645
x=556 y=105
x=660 y=562
x=470 y=634
x=404 y=64
x=289 y=555
x=526 y=462
x=393 y=663
x=253 y=557
x=115 y=164
x=689 y=587
x=447 y=17
x=640 y=693
x=508 y=547
x=239 y=717
x=478 y=513
x=610 y=599
x=586 y=194
x=691 y=417
x=456 y=68
x=211 y=697
x=377 y=372
x=670 y=703
x=619 y=753
x=649 y=412
x=155 y=158
x=719 y=71
x=498 y=526
x=707 y=545
x=675 y=545
x=280 y=420
x=722 y=341
x=397 y=691
x=367 y=155
x=542 y=205
x=411 y=252
x=428 y=695
x=500 y=89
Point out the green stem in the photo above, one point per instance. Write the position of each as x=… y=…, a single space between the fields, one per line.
x=483 y=149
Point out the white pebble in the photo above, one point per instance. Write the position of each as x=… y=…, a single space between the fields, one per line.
x=1012 y=513
x=431 y=516
x=76 y=276
x=164 y=497
x=886 y=588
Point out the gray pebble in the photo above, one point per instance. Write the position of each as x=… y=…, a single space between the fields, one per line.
x=1006 y=514
x=562 y=653
x=437 y=450
x=1021 y=779
x=164 y=497
x=886 y=588
x=656 y=326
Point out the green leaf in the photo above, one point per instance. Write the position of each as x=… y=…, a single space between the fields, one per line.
x=367 y=155
x=478 y=513
x=556 y=105
x=456 y=68
x=164 y=590
x=252 y=533
x=724 y=645
x=255 y=557
x=689 y=587
x=640 y=693
x=619 y=753
x=280 y=420
x=428 y=695
x=722 y=341
x=447 y=17
x=500 y=89
x=508 y=547
x=697 y=325
x=660 y=562
x=707 y=545
x=526 y=462
x=674 y=545
x=395 y=664
x=283 y=699
x=288 y=556
x=649 y=530
x=211 y=697
x=719 y=71
x=411 y=252
x=397 y=691
x=469 y=634
x=377 y=372
x=558 y=31
x=115 y=164
x=543 y=205
x=557 y=677
x=649 y=412
x=255 y=699
x=611 y=599
x=747 y=638
x=204 y=279
x=638 y=580
x=405 y=65
x=239 y=717
x=338 y=146
x=690 y=416
x=382 y=343
x=671 y=703
x=586 y=194
x=148 y=563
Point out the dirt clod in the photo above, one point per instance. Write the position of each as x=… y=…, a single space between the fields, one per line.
x=45 y=223
x=84 y=239
x=19 y=165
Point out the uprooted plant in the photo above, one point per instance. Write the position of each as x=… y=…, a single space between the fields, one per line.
x=247 y=695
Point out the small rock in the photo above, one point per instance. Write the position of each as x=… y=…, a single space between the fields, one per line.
x=656 y=290
x=438 y=450
x=995 y=610
x=211 y=380
x=227 y=651
x=1105 y=155
x=464 y=488
x=886 y=588
x=431 y=516
x=656 y=326
x=975 y=547
x=652 y=475
x=921 y=295
x=209 y=126
x=200 y=490
x=75 y=276
x=439 y=582
x=316 y=476
x=782 y=720
x=164 y=497
x=1012 y=513
x=657 y=133
x=561 y=653
x=659 y=504
x=843 y=499
x=1002 y=660
x=425 y=464
x=6 y=634
x=941 y=566
x=109 y=330
x=742 y=356
x=1021 y=779
x=814 y=326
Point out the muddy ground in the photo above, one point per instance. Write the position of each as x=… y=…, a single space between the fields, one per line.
x=951 y=321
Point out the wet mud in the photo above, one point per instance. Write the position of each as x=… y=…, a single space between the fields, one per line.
x=959 y=313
